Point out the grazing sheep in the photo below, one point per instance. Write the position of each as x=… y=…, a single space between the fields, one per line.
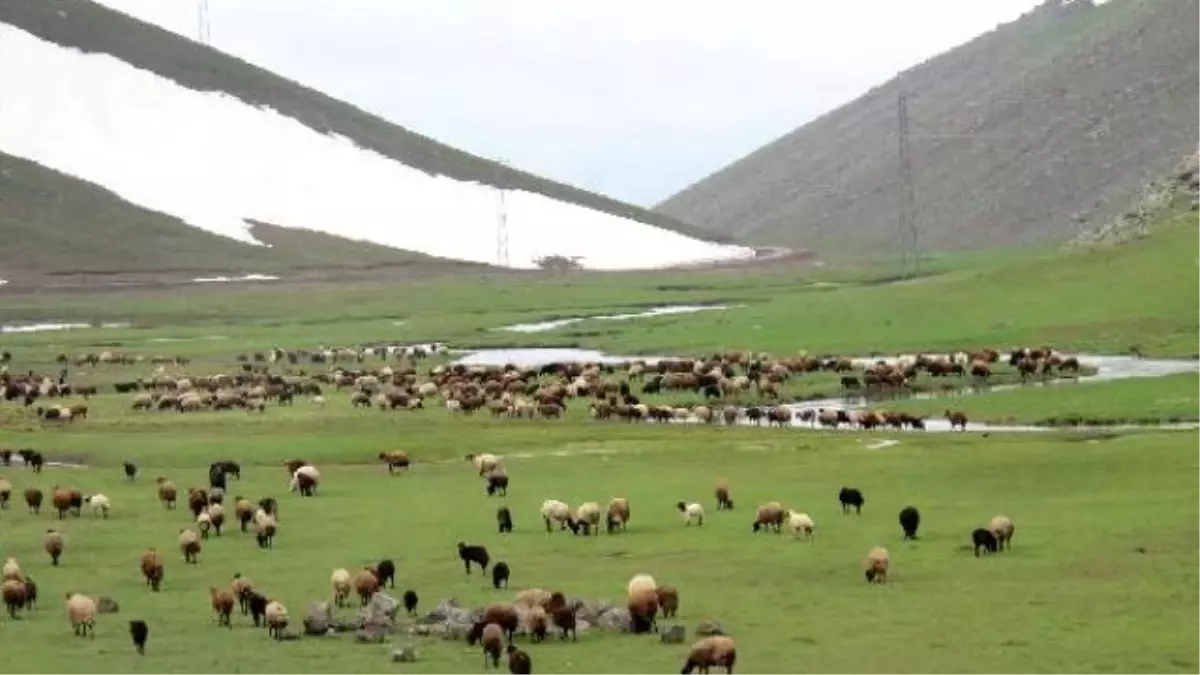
x=305 y=479
x=139 y=632
x=33 y=500
x=643 y=610
x=983 y=538
x=800 y=525
x=539 y=623
x=692 y=513
x=473 y=554
x=484 y=462
x=1002 y=528
x=724 y=502
x=54 y=544
x=559 y=512
x=99 y=503
x=500 y=574
x=13 y=593
x=851 y=497
x=395 y=459
x=189 y=545
x=276 y=616
x=957 y=419
x=340 y=580
x=713 y=651
x=130 y=470
x=767 y=516
x=497 y=482
x=222 y=604
x=640 y=582
x=519 y=662
x=618 y=515
x=563 y=616
x=532 y=597
x=504 y=615
x=81 y=610
x=504 y=520
x=385 y=571
x=491 y=639
x=875 y=567
x=910 y=520
x=410 y=600
x=668 y=600
x=151 y=565
x=588 y=518
x=12 y=570
x=167 y=494
x=366 y=585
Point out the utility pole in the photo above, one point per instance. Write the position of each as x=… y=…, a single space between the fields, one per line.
x=202 y=27
x=501 y=225
x=907 y=211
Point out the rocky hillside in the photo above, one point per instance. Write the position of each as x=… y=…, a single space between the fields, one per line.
x=1041 y=129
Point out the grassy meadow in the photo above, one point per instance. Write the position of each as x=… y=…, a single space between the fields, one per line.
x=1102 y=576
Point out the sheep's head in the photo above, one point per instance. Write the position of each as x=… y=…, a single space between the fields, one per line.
x=681 y=506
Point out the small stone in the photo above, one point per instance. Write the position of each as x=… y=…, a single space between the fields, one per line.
x=673 y=635
x=710 y=627
x=405 y=654
x=106 y=605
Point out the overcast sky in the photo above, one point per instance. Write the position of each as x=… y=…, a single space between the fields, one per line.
x=633 y=98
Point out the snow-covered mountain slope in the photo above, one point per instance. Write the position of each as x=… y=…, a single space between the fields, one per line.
x=214 y=162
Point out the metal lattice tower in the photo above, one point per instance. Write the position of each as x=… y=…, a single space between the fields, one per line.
x=202 y=27
x=907 y=211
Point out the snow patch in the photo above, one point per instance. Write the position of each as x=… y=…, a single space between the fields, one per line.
x=543 y=326
x=244 y=277
x=49 y=326
x=216 y=162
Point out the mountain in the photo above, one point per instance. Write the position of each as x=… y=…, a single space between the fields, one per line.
x=1041 y=129
x=127 y=148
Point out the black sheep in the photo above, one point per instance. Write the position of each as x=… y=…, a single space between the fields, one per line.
x=139 y=632
x=410 y=601
x=504 y=519
x=385 y=571
x=851 y=497
x=216 y=477
x=269 y=505
x=983 y=538
x=497 y=482
x=130 y=470
x=519 y=662
x=258 y=606
x=31 y=593
x=230 y=467
x=473 y=554
x=32 y=459
x=6 y=457
x=500 y=575
x=910 y=520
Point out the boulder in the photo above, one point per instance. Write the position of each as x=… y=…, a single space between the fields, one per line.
x=710 y=627
x=405 y=654
x=673 y=635
x=107 y=605
x=290 y=634
x=616 y=618
x=316 y=622
x=371 y=633
x=343 y=625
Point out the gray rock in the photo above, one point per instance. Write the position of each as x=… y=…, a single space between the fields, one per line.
x=317 y=620
x=343 y=625
x=591 y=611
x=290 y=634
x=371 y=633
x=673 y=635
x=710 y=627
x=441 y=611
x=405 y=654
x=107 y=605
x=380 y=611
x=616 y=618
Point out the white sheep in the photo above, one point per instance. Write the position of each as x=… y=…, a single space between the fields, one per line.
x=100 y=504
x=800 y=524
x=305 y=479
x=588 y=515
x=340 y=580
x=485 y=462
x=204 y=523
x=692 y=513
x=640 y=583
x=81 y=610
x=556 y=511
x=12 y=570
x=277 y=619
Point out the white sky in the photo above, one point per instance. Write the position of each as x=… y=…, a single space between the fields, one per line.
x=630 y=98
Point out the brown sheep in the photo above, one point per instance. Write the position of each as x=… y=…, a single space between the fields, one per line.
x=668 y=601
x=491 y=639
x=539 y=624
x=61 y=499
x=189 y=545
x=722 y=494
x=618 y=515
x=33 y=499
x=292 y=465
x=244 y=510
x=713 y=651
x=503 y=614
x=241 y=587
x=152 y=568
x=957 y=419
x=222 y=604
x=13 y=592
x=167 y=494
x=643 y=610
x=54 y=544
x=366 y=584
x=769 y=515
x=395 y=459
x=875 y=567
x=197 y=500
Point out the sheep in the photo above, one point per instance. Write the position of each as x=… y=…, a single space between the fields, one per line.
x=588 y=518
x=189 y=545
x=270 y=506
x=875 y=567
x=167 y=493
x=61 y=499
x=643 y=608
x=410 y=600
x=484 y=462
x=395 y=459
x=617 y=518
x=563 y=616
x=216 y=516
x=532 y=597
x=692 y=513
x=559 y=512
x=99 y=503
x=31 y=593
x=983 y=538
x=767 y=516
x=385 y=571
x=197 y=500
x=130 y=470
x=1002 y=528
x=139 y=632
x=292 y=465
x=264 y=529
x=242 y=587
x=519 y=662
x=12 y=570
x=497 y=482
x=33 y=500
x=714 y=650
x=490 y=638
x=244 y=511
x=6 y=489
x=305 y=479
x=222 y=604
x=504 y=615
x=366 y=585
x=340 y=580
x=668 y=600
x=151 y=565
x=851 y=497
x=539 y=623
x=800 y=525
x=81 y=610
x=957 y=419
x=204 y=523
x=640 y=582
x=724 y=502
x=54 y=544
x=500 y=573
x=257 y=603
x=473 y=554
x=910 y=520
x=13 y=593
x=504 y=520
x=276 y=616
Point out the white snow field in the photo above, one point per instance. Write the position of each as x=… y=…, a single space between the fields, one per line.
x=214 y=161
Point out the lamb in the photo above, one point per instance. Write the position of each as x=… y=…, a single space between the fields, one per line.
x=139 y=632
x=189 y=545
x=497 y=481
x=33 y=500
x=643 y=608
x=588 y=518
x=276 y=616
x=222 y=604
x=875 y=567
x=491 y=639
x=473 y=554
x=13 y=593
x=715 y=650
x=305 y=479
x=767 y=516
x=724 y=502
x=366 y=584
x=151 y=565
x=692 y=513
x=1002 y=528
x=410 y=600
x=81 y=610
x=983 y=538
x=559 y=512
x=54 y=544
x=340 y=580
x=500 y=573
x=504 y=520
x=618 y=515
x=668 y=600
x=957 y=419
x=519 y=662
x=197 y=500
x=910 y=520
x=99 y=503
x=800 y=525
x=395 y=459
x=851 y=497
x=167 y=493
x=385 y=571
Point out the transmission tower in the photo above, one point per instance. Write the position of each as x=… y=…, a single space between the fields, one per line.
x=202 y=28
x=501 y=223
x=907 y=211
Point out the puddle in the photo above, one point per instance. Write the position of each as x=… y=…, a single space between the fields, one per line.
x=542 y=355
x=244 y=277
x=554 y=324
x=879 y=445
